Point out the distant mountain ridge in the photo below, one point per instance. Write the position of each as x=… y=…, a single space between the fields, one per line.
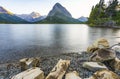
x=32 y=17
x=58 y=14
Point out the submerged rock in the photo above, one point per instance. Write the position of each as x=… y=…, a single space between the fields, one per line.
x=94 y=66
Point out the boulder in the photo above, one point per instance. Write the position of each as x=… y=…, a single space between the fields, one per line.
x=99 y=43
x=59 y=70
x=94 y=66
x=104 y=74
x=102 y=55
x=114 y=64
x=117 y=64
x=72 y=75
x=26 y=63
x=32 y=73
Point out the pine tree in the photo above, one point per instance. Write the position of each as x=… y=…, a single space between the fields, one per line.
x=111 y=9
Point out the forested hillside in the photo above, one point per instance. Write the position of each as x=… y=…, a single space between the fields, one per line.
x=105 y=14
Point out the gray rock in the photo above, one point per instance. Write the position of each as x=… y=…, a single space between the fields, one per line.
x=94 y=66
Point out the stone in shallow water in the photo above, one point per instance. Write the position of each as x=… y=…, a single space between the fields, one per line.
x=72 y=75
x=94 y=66
x=59 y=70
x=33 y=73
x=98 y=44
x=102 y=55
x=104 y=74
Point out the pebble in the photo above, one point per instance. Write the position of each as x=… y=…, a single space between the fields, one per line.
x=48 y=62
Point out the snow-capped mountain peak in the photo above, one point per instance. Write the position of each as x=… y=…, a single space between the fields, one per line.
x=32 y=17
x=35 y=14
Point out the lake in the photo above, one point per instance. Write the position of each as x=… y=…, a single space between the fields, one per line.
x=30 y=40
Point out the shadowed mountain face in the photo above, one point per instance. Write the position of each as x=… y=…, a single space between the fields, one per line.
x=59 y=14
x=9 y=17
x=3 y=10
x=58 y=8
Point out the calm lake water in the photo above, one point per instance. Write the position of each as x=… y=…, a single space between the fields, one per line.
x=30 y=40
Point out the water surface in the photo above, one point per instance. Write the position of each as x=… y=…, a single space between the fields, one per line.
x=30 y=40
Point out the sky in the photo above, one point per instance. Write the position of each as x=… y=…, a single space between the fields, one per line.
x=77 y=8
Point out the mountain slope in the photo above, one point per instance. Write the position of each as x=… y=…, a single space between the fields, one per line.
x=58 y=8
x=32 y=17
x=9 y=17
x=3 y=10
x=59 y=14
x=83 y=19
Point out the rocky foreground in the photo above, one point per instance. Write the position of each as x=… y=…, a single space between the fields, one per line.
x=100 y=61
x=8 y=70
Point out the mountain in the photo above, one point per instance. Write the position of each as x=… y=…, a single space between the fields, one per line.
x=3 y=10
x=32 y=17
x=83 y=19
x=8 y=17
x=59 y=14
x=58 y=8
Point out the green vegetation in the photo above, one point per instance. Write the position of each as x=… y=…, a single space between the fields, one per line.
x=59 y=18
x=105 y=14
x=10 y=18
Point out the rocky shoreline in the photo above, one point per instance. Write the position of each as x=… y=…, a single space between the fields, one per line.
x=8 y=70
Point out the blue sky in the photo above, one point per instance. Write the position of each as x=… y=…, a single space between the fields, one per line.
x=76 y=7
